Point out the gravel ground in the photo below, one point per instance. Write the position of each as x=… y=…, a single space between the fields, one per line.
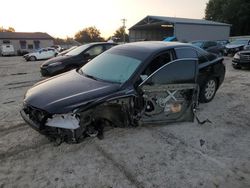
x=173 y=155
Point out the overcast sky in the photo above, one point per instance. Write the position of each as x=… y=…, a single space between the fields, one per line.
x=61 y=18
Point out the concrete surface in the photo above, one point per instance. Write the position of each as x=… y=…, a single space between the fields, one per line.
x=147 y=156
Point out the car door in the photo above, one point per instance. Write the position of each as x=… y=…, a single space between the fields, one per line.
x=51 y=53
x=43 y=54
x=170 y=94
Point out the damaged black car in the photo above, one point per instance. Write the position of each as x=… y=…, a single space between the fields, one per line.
x=143 y=82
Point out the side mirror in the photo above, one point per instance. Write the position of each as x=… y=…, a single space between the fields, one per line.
x=144 y=77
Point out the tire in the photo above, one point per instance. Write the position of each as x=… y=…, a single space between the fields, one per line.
x=32 y=58
x=236 y=66
x=208 y=90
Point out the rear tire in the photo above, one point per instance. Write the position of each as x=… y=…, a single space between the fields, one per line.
x=236 y=66
x=208 y=90
x=32 y=58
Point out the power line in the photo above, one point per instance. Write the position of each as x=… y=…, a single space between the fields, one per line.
x=124 y=27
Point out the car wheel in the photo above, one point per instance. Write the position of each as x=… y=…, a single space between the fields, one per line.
x=236 y=66
x=32 y=58
x=208 y=90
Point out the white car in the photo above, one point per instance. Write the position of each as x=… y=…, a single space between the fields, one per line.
x=43 y=53
x=7 y=49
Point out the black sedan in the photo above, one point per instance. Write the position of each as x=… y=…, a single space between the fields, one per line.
x=74 y=58
x=210 y=46
x=146 y=82
x=236 y=46
x=241 y=59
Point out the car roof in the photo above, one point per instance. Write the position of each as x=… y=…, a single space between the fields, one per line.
x=150 y=46
x=144 y=49
x=96 y=43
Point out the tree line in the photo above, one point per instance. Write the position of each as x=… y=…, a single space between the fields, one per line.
x=86 y=35
x=234 y=12
x=92 y=34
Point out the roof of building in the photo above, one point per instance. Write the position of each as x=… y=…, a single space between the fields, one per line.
x=25 y=35
x=148 y=20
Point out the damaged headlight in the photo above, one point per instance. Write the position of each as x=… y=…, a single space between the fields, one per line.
x=66 y=121
x=237 y=56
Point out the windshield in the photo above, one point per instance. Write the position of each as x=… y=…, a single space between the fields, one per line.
x=197 y=43
x=78 y=50
x=111 y=67
x=240 y=42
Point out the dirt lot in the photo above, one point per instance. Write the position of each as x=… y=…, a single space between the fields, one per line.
x=147 y=156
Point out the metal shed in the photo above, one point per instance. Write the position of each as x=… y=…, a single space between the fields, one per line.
x=184 y=29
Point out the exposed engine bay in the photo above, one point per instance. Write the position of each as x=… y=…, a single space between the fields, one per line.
x=155 y=106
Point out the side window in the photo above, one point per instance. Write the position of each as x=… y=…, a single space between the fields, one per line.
x=96 y=50
x=177 y=72
x=158 y=62
x=185 y=53
x=108 y=46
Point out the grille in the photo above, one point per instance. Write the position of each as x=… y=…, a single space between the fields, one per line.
x=245 y=57
x=36 y=115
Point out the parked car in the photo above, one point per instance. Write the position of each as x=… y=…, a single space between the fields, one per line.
x=148 y=82
x=74 y=59
x=210 y=46
x=7 y=50
x=43 y=53
x=66 y=51
x=241 y=59
x=222 y=42
x=57 y=47
x=236 y=46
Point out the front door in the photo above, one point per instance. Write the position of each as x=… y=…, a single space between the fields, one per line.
x=170 y=93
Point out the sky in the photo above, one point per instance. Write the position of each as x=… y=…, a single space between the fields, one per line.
x=63 y=18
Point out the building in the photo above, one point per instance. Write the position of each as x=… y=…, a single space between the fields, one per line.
x=26 y=42
x=184 y=29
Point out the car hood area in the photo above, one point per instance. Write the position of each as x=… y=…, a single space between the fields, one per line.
x=57 y=59
x=65 y=92
x=230 y=46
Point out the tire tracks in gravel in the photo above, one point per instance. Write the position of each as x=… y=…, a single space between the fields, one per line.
x=130 y=177
x=14 y=128
x=170 y=138
x=20 y=149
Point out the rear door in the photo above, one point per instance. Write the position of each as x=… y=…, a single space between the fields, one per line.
x=170 y=93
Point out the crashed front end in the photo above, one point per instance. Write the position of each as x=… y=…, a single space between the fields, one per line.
x=86 y=121
x=64 y=126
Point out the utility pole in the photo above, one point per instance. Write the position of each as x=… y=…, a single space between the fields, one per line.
x=124 y=27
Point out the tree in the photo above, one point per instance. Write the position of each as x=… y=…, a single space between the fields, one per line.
x=235 y=12
x=10 y=29
x=120 y=33
x=89 y=34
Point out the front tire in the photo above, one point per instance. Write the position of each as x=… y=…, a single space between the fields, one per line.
x=208 y=90
x=236 y=66
x=32 y=58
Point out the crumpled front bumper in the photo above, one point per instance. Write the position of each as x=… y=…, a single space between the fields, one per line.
x=32 y=124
